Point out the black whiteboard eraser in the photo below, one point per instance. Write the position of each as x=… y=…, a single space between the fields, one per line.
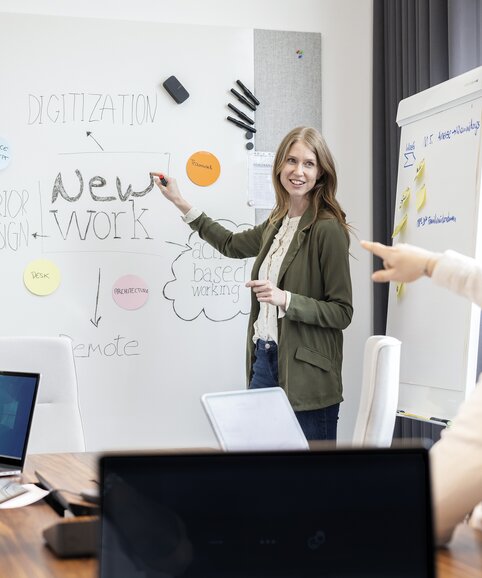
x=176 y=89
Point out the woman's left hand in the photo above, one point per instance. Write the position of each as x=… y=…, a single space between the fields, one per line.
x=266 y=292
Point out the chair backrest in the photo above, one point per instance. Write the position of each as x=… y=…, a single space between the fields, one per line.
x=57 y=422
x=379 y=394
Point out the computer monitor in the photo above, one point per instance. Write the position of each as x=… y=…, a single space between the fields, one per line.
x=343 y=513
x=18 y=392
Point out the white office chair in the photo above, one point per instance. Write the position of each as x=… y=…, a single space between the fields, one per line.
x=57 y=423
x=379 y=395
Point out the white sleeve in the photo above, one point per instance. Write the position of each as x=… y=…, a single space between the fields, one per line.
x=282 y=310
x=191 y=215
x=456 y=467
x=460 y=274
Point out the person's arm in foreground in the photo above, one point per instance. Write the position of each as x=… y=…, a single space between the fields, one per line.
x=456 y=467
x=456 y=460
x=452 y=270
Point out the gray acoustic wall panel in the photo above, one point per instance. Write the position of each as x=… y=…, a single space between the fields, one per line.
x=287 y=82
x=287 y=79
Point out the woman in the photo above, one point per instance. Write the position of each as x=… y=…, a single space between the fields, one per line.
x=455 y=460
x=301 y=287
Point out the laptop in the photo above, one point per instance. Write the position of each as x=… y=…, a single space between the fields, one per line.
x=341 y=513
x=254 y=419
x=18 y=392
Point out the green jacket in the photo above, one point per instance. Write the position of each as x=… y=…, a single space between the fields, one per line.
x=316 y=271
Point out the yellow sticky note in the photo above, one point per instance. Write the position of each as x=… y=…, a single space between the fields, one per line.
x=399 y=290
x=420 y=169
x=400 y=227
x=41 y=277
x=203 y=168
x=421 y=196
x=404 y=198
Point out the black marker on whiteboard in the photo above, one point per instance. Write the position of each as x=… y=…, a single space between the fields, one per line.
x=242 y=99
x=240 y=124
x=241 y=114
x=247 y=92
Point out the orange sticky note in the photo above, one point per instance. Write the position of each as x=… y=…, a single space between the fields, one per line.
x=203 y=168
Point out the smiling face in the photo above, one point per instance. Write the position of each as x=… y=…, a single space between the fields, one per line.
x=299 y=175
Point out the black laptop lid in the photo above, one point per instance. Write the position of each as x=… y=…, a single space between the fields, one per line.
x=340 y=513
x=18 y=392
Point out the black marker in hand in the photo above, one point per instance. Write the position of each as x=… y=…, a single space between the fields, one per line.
x=161 y=178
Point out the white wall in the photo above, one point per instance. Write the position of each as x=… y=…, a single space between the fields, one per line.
x=346 y=29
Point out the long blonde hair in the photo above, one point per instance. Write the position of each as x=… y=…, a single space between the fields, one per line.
x=322 y=196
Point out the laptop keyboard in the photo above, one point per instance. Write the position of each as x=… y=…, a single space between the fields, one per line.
x=10 y=489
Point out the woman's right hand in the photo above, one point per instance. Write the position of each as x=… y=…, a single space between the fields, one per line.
x=171 y=192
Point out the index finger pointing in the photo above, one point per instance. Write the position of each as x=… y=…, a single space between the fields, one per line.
x=376 y=248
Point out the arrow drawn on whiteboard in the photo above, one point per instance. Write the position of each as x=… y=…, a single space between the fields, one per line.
x=88 y=133
x=35 y=235
x=409 y=159
x=96 y=319
x=183 y=245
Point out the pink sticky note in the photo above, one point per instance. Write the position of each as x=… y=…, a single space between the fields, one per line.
x=130 y=292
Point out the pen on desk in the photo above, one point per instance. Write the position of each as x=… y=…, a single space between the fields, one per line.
x=241 y=124
x=241 y=114
x=242 y=99
x=247 y=92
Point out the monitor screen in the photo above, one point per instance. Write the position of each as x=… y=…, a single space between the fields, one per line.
x=340 y=513
x=17 y=398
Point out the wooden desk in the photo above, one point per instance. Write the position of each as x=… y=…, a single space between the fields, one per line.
x=24 y=555
x=463 y=557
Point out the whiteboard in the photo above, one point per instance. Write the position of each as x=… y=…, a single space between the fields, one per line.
x=439 y=164
x=86 y=119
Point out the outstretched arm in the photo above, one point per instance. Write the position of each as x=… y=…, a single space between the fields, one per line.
x=171 y=192
x=403 y=263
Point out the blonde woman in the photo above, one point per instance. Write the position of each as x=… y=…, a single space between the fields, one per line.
x=300 y=281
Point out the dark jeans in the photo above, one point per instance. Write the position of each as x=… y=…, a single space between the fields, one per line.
x=317 y=424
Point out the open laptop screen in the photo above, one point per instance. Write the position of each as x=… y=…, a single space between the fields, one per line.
x=17 y=400
x=340 y=513
x=239 y=420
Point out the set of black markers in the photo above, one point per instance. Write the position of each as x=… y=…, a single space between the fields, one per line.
x=180 y=94
x=251 y=102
